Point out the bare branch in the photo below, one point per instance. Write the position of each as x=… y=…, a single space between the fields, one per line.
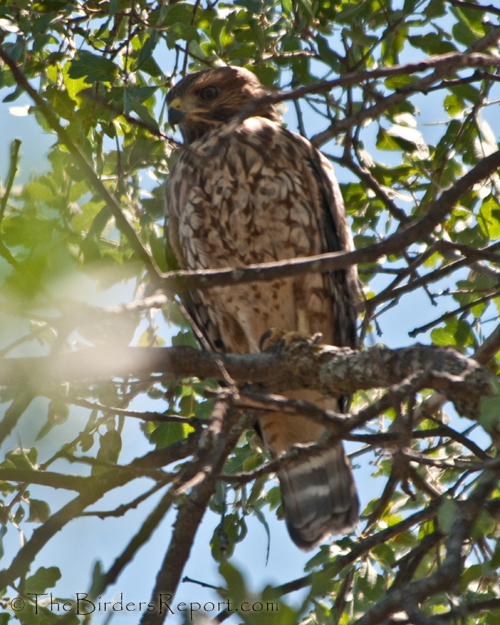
x=453 y=313
x=179 y=281
x=14 y=155
x=44 y=478
x=141 y=537
x=20 y=403
x=490 y=347
x=328 y=369
x=218 y=440
x=96 y=487
x=194 y=422
x=477 y=7
x=443 y=65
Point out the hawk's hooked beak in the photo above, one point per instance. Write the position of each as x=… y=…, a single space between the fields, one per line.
x=175 y=112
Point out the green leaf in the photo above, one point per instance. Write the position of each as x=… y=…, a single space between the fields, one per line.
x=435 y=8
x=321 y=583
x=43 y=578
x=395 y=82
x=466 y=92
x=384 y=553
x=110 y=445
x=409 y=139
x=73 y=85
x=58 y=413
x=489 y=217
x=20 y=458
x=254 y=6
x=234 y=582
x=442 y=149
x=185 y=337
x=13 y=96
x=266 y=74
x=204 y=409
x=93 y=68
x=147 y=49
x=263 y=521
x=467 y=33
x=370 y=584
x=39 y=190
x=184 y=31
x=326 y=53
x=86 y=442
x=447 y=514
x=84 y=218
x=252 y=461
x=453 y=105
x=456 y=333
x=257 y=490
x=98 y=578
x=432 y=43
x=489 y=410
x=470 y=574
x=179 y=12
x=3 y=531
x=495 y=560
x=484 y=525
x=39 y=511
x=167 y=433
x=386 y=142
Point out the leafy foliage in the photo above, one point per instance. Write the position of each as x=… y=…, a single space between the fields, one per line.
x=429 y=543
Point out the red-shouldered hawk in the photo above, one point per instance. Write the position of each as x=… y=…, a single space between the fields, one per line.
x=252 y=192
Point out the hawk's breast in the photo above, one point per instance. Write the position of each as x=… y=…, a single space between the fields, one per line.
x=241 y=196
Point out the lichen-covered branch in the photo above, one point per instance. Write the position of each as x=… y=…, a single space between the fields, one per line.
x=331 y=370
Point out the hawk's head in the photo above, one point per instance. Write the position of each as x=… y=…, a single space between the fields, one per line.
x=204 y=100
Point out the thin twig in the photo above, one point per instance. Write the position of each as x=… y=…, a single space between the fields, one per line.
x=14 y=156
x=453 y=313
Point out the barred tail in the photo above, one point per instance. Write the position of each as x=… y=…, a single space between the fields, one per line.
x=319 y=497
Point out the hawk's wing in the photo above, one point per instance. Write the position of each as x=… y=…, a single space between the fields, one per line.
x=343 y=285
x=197 y=313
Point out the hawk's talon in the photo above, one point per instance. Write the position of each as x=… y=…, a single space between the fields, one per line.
x=276 y=339
x=267 y=334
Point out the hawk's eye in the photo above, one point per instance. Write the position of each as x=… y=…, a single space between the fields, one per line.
x=209 y=93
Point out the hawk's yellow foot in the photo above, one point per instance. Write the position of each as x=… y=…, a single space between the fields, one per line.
x=276 y=339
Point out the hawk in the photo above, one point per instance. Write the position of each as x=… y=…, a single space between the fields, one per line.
x=246 y=191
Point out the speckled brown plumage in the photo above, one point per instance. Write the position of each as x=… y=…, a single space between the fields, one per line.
x=245 y=192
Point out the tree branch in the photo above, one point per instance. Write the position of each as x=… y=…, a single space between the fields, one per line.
x=95 y=488
x=45 y=478
x=477 y=7
x=331 y=370
x=14 y=155
x=218 y=439
x=179 y=281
